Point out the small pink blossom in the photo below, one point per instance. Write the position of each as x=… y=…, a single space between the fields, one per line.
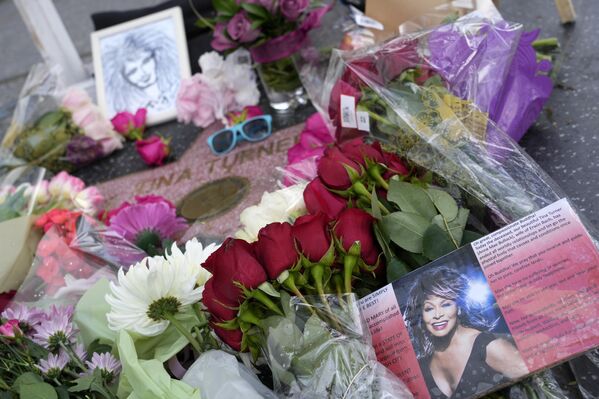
x=129 y=125
x=10 y=328
x=249 y=112
x=89 y=200
x=153 y=150
x=64 y=186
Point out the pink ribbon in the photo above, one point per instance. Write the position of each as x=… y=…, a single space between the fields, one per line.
x=285 y=45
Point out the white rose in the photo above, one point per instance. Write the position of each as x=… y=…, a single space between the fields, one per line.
x=212 y=65
x=283 y=205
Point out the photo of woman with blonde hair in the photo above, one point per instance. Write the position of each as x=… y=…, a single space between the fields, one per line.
x=459 y=353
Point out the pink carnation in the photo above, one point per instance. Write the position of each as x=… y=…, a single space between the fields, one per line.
x=200 y=102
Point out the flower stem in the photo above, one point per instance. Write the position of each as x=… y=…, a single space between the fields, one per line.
x=349 y=262
x=73 y=356
x=289 y=283
x=361 y=190
x=375 y=173
x=184 y=331
x=266 y=301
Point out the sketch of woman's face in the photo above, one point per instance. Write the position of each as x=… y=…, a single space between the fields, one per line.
x=140 y=69
x=439 y=315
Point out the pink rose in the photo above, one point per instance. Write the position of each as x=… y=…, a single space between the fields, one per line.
x=153 y=150
x=10 y=328
x=292 y=9
x=220 y=40
x=198 y=102
x=129 y=125
x=249 y=112
x=240 y=28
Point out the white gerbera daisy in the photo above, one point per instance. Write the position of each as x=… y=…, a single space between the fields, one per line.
x=152 y=292
x=195 y=255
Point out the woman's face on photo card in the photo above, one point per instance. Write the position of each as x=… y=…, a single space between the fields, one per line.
x=440 y=315
x=140 y=69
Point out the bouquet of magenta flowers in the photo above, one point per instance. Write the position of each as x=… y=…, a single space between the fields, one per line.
x=272 y=30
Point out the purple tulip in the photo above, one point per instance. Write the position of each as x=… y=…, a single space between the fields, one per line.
x=220 y=41
x=240 y=28
x=292 y=9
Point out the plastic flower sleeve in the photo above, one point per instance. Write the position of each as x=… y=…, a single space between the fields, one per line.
x=22 y=193
x=323 y=347
x=71 y=257
x=412 y=101
x=57 y=127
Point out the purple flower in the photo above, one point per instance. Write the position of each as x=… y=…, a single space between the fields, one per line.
x=83 y=150
x=108 y=365
x=148 y=225
x=292 y=9
x=240 y=28
x=220 y=40
x=53 y=366
x=28 y=318
x=80 y=352
x=54 y=332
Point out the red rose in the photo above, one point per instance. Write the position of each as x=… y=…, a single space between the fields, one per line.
x=229 y=337
x=217 y=306
x=358 y=151
x=395 y=166
x=355 y=225
x=311 y=233
x=332 y=169
x=319 y=199
x=233 y=262
x=275 y=248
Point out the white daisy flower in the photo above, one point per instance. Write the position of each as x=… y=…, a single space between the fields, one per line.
x=152 y=292
x=195 y=255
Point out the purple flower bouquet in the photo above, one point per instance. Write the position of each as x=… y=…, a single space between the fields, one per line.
x=272 y=31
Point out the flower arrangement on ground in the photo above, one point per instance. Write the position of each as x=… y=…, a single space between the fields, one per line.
x=272 y=31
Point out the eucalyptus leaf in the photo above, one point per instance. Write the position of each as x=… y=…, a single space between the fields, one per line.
x=411 y=198
x=455 y=227
x=268 y=288
x=444 y=203
x=396 y=268
x=406 y=230
x=436 y=242
x=470 y=236
x=40 y=390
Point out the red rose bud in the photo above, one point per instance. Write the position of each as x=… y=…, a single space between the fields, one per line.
x=311 y=234
x=319 y=199
x=358 y=151
x=218 y=307
x=230 y=337
x=395 y=166
x=275 y=249
x=332 y=169
x=355 y=225
x=234 y=262
x=153 y=150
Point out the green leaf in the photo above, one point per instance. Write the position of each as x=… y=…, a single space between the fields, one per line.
x=374 y=204
x=411 y=198
x=225 y=7
x=257 y=23
x=406 y=230
x=455 y=227
x=470 y=236
x=82 y=383
x=383 y=240
x=444 y=203
x=40 y=390
x=98 y=347
x=396 y=268
x=202 y=23
x=26 y=379
x=256 y=11
x=416 y=260
x=436 y=242
x=63 y=392
x=267 y=288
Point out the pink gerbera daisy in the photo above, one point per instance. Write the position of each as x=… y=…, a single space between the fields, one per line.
x=152 y=226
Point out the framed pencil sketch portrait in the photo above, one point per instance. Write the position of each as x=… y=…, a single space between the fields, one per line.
x=140 y=63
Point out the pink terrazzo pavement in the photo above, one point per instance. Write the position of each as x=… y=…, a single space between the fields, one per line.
x=257 y=162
